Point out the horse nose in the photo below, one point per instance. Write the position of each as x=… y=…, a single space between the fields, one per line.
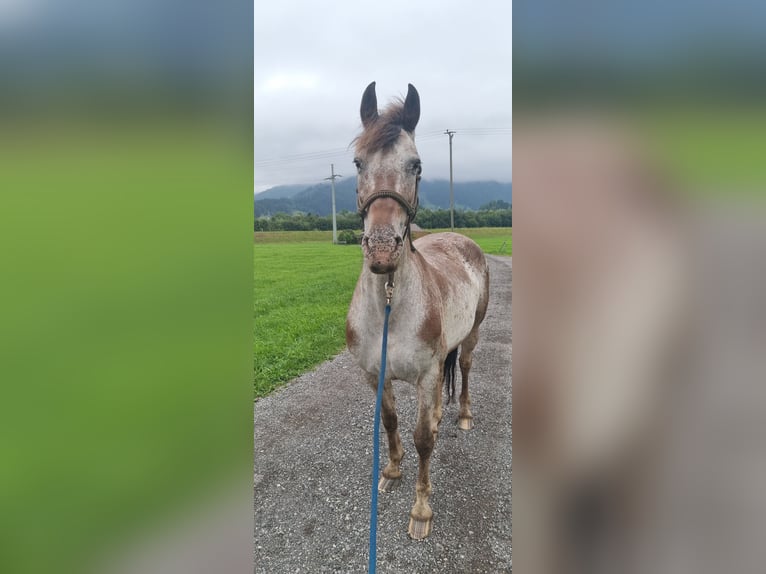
x=382 y=240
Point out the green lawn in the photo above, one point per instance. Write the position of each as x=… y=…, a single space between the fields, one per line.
x=301 y=296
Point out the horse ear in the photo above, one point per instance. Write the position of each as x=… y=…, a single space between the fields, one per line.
x=369 y=109
x=411 y=109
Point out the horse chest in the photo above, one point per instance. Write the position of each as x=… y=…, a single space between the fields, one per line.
x=407 y=359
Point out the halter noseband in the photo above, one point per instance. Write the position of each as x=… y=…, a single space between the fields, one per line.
x=409 y=208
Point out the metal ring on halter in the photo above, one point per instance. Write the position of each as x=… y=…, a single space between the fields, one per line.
x=389 y=288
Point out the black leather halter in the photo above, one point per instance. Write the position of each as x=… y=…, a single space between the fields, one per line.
x=410 y=208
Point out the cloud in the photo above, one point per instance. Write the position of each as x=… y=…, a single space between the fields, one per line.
x=312 y=65
x=289 y=81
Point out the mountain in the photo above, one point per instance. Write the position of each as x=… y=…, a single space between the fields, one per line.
x=468 y=195
x=280 y=191
x=434 y=194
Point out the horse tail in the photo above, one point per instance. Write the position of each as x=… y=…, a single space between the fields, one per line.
x=449 y=374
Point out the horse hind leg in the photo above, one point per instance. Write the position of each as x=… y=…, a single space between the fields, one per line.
x=465 y=418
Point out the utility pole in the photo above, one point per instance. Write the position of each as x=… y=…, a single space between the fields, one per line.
x=451 y=133
x=332 y=177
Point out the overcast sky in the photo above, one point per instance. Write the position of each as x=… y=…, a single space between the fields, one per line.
x=313 y=60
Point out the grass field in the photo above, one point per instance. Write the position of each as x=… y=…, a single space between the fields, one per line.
x=302 y=291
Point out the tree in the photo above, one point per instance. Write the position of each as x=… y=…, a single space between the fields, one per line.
x=495 y=205
x=350 y=221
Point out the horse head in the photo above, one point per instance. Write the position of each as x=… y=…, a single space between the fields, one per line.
x=388 y=168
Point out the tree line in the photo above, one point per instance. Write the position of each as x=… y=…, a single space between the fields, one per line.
x=494 y=216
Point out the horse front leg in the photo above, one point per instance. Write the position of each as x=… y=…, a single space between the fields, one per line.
x=392 y=473
x=426 y=430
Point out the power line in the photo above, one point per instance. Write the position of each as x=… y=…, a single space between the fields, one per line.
x=340 y=152
x=304 y=156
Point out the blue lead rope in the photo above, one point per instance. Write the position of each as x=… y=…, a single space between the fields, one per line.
x=376 y=442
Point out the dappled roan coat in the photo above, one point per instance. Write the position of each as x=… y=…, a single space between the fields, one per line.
x=439 y=299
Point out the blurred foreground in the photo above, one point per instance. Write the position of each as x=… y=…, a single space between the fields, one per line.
x=640 y=327
x=125 y=287
x=639 y=287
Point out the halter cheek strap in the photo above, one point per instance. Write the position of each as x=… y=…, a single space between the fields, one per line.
x=410 y=208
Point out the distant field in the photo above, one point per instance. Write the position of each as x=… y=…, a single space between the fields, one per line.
x=490 y=239
x=493 y=240
x=292 y=236
x=302 y=290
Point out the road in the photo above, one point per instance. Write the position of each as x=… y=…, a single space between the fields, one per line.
x=313 y=456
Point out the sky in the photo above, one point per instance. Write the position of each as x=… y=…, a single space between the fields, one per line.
x=313 y=60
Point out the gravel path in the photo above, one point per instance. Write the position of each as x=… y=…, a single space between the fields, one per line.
x=313 y=457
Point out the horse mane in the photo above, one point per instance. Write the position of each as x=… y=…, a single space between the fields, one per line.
x=384 y=130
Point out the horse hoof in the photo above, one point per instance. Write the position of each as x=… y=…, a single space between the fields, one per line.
x=388 y=484
x=419 y=529
x=465 y=423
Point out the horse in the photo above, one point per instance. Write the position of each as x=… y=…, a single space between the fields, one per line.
x=440 y=293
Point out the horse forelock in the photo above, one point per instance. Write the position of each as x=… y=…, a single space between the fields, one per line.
x=384 y=131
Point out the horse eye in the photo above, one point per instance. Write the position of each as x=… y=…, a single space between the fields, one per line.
x=358 y=163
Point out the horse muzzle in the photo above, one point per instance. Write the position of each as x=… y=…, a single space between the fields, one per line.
x=382 y=249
